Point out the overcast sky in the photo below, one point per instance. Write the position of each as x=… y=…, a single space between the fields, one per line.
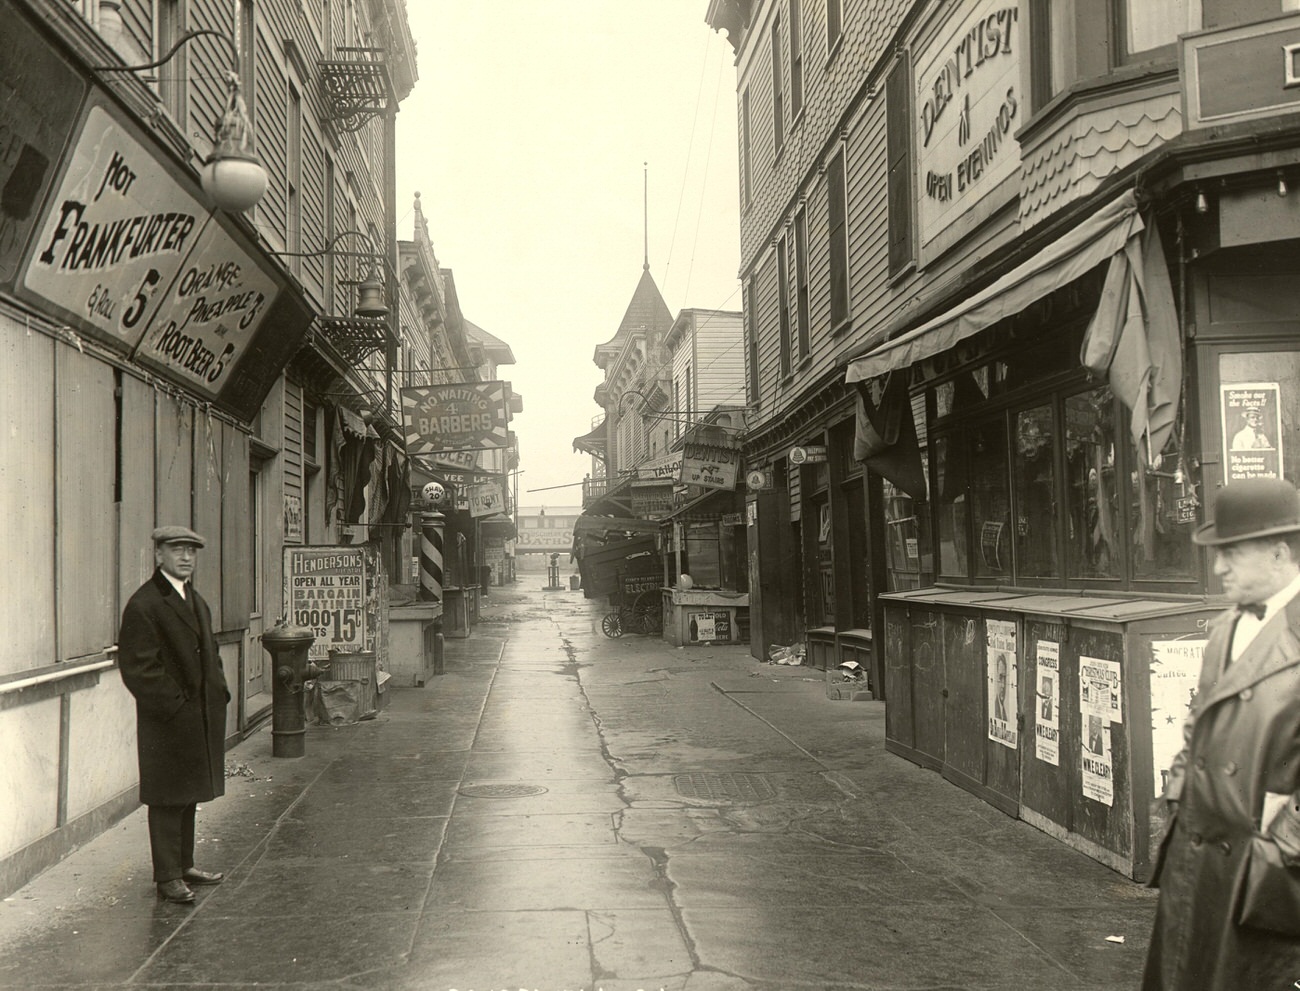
x=526 y=135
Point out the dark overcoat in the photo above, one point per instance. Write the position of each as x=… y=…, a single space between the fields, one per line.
x=1242 y=739
x=169 y=661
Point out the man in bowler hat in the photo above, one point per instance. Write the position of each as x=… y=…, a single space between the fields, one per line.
x=169 y=661
x=1228 y=868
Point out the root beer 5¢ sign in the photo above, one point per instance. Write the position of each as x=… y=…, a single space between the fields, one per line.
x=456 y=417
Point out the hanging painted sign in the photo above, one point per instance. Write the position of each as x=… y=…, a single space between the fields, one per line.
x=1251 y=424
x=485 y=499
x=457 y=417
x=116 y=233
x=208 y=316
x=663 y=469
x=709 y=467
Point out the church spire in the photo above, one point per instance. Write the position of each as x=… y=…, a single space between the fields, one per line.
x=645 y=207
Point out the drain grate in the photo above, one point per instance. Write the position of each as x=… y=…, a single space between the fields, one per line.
x=501 y=791
x=725 y=787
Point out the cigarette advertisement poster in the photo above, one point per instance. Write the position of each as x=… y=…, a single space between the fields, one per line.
x=1175 y=667
x=1047 y=725
x=1251 y=422
x=1001 y=675
x=1099 y=706
x=325 y=588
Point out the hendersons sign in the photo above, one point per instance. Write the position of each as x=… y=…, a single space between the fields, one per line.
x=456 y=417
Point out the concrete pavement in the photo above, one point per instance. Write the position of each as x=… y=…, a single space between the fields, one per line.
x=563 y=811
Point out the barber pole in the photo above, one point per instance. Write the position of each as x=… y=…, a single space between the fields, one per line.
x=431 y=531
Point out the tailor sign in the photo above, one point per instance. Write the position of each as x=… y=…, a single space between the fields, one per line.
x=457 y=417
x=968 y=105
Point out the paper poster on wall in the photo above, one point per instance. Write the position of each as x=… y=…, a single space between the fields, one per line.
x=1251 y=425
x=1100 y=705
x=1047 y=723
x=1003 y=707
x=325 y=591
x=1175 y=667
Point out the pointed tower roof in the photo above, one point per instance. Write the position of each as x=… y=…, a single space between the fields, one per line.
x=646 y=314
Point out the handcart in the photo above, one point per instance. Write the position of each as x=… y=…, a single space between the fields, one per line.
x=637 y=607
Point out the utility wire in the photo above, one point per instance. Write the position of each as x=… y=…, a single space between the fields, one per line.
x=690 y=145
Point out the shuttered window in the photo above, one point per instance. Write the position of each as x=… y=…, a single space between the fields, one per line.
x=838 y=247
x=899 y=154
x=783 y=303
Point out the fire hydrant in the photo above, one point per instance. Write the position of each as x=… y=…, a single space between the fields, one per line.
x=288 y=646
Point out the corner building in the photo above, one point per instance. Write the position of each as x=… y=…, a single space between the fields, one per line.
x=1017 y=303
x=164 y=361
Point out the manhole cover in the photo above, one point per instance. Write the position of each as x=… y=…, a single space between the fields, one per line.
x=501 y=791
x=740 y=787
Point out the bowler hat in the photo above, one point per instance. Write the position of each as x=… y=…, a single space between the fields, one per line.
x=1251 y=508
x=177 y=535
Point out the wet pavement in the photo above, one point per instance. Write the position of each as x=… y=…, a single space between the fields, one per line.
x=563 y=811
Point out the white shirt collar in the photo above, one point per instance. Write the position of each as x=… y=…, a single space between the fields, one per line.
x=176 y=584
x=1278 y=600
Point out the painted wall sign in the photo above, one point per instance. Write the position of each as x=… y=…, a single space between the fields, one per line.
x=968 y=106
x=42 y=93
x=456 y=417
x=115 y=233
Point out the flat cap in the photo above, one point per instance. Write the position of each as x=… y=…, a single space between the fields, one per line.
x=177 y=535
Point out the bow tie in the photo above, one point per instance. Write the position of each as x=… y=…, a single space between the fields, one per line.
x=1256 y=609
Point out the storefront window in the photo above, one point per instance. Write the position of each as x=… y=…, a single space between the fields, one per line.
x=951 y=485
x=903 y=538
x=703 y=557
x=1092 y=510
x=1035 y=483
x=990 y=498
x=1161 y=518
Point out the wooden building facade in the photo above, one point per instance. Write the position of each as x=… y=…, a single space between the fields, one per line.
x=1017 y=273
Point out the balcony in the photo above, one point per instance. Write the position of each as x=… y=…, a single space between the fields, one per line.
x=358 y=86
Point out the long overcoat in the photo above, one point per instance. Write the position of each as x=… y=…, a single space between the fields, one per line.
x=1242 y=739
x=169 y=661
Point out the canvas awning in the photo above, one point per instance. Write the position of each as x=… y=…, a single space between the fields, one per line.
x=593 y=442
x=1071 y=256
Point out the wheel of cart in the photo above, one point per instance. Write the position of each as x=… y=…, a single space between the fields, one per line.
x=647 y=608
x=612 y=625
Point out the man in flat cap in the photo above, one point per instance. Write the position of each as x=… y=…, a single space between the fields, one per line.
x=169 y=661
x=1228 y=868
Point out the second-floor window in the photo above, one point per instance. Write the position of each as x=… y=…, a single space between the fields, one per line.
x=751 y=340
x=838 y=240
x=834 y=15
x=898 y=151
x=796 y=60
x=783 y=302
x=293 y=176
x=746 y=153
x=778 y=102
x=172 y=75
x=801 y=281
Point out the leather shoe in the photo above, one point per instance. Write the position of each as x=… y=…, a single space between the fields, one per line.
x=175 y=891
x=196 y=876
